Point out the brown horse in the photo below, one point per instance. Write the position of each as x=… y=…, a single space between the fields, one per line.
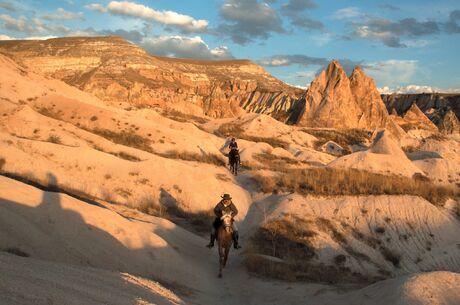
x=224 y=239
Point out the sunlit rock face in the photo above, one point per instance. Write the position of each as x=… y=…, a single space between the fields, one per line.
x=337 y=101
x=117 y=71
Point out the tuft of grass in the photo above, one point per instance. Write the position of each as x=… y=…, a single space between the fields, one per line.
x=331 y=181
x=182 y=117
x=229 y=129
x=283 y=249
x=54 y=139
x=391 y=256
x=188 y=156
x=199 y=222
x=126 y=138
x=16 y=251
x=344 y=137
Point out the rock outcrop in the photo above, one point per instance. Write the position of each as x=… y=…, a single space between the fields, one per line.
x=121 y=73
x=449 y=124
x=434 y=105
x=336 y=101
x=416 y=119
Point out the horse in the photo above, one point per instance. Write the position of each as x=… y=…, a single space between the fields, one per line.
x=224 y=239
x=234 y=160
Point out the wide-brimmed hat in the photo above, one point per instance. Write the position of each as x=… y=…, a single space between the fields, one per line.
x=226 y=197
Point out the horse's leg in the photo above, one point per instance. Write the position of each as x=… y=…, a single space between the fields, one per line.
x=221 y=260
x=227 y=250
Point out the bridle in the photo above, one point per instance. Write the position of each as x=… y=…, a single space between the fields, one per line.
x=227 y=221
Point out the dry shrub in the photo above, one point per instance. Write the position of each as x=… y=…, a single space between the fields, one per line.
x=331 y=181
x=182 y=117
x=16 y=251
x=198 y=222
x=438 y=137
x=54 y=139
x=119 y=154
x=2 y=163
x=229 y=129
x=127 y=138
x=391 y=256
x=344 y=137
x=189 y=156
x=282 y=249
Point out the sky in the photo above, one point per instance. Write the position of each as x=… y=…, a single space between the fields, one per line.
x=406 y=46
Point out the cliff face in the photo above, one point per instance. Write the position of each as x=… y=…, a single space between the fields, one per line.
x=334 y=100
x=117 y=71
x=436 y=106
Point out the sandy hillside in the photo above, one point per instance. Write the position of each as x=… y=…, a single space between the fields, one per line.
x=82 y=183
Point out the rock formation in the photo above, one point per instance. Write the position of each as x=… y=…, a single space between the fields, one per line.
x=435 y=105
x=416 y=119
x=119 y=72
x=334 y=100
x=450 y=123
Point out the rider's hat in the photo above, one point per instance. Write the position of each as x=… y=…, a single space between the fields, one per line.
x=226 y=197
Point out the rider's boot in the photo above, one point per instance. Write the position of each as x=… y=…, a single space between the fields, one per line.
x=235 y=240
x=211 y=242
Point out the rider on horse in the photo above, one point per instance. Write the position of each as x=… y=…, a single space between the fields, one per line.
x=233 y=145
x=225 y=205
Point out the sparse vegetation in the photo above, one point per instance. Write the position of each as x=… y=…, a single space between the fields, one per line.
x=391 y=256
x=93 y=118
x=182 y=117
x=54 y=139
x=344 y=138
x=188 y=156
x=2 y=164
x=237 y=131
x=16 y=251
x=199 y=222
x=283 y=249
x=126 y=138
x=330 y=181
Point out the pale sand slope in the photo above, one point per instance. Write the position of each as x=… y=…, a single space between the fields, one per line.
x=439 y=160
x=56 y=227
x=299 y=143
x=422 y=236
x=85 y=162
x=22 y=85
x=31 y=281
x=25 y=278
x=384 y=156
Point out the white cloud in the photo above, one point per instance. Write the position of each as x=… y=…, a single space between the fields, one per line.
x=20 y=24
x=185 y=47
x=347 y=13
x=392 y=73
x=5 y=37
x=414 y=89
x=39 y=37
x=62 y=14
x=96 y=7
x=168 y=18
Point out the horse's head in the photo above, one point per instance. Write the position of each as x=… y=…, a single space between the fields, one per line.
x=227 y=219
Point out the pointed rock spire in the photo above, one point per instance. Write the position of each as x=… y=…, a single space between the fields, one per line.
x=334 y=100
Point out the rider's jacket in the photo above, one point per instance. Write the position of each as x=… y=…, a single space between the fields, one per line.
x=233 y=145
x=220 y=207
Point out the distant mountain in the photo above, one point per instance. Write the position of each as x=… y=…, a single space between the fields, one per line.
x=117 y=72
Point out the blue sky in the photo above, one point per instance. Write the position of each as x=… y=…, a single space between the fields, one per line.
x=405 y=45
